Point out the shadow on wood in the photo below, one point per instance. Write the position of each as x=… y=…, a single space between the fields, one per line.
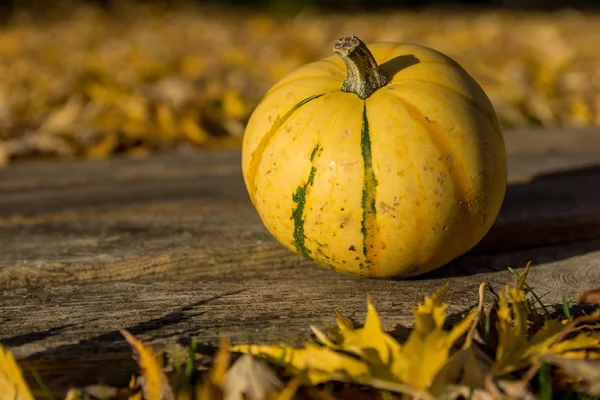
x=171 y=249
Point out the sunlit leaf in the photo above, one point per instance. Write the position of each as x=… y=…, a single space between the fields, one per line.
x=12 y=383
x=518 y=345
x=155 y=385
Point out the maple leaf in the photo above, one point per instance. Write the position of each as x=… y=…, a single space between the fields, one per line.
x=12 y=383
x=155 y=385
x=370 y=356
x=518 y=347
x=317 y=364
x=428 y=346
x=370 y=343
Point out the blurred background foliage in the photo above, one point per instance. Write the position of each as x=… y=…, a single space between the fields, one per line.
x=103 y=77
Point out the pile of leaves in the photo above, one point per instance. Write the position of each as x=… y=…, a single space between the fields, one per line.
x=516 y=349
x=140 y=78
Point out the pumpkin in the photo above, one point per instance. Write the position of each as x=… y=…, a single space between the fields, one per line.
x=384 y=160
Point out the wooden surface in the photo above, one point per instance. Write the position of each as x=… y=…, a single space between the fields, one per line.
x=171 y=249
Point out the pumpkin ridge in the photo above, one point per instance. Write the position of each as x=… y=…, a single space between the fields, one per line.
x=258 y=153
x=342 y=69
x=369 y=227
x=299 y=197
x=461 y=95
x=387 y=57
x=459 y=176
x=284 y=82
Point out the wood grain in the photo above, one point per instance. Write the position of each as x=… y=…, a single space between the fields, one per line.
x=171 y=249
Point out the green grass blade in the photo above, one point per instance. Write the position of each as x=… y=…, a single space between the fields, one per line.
x=43 y=386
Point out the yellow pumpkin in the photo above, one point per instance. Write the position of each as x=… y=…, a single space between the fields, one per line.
x=384 y=160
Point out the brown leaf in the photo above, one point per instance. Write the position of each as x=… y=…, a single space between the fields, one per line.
x=467 y=367
x=591 y=296
x=580 y=369
x=251 y=378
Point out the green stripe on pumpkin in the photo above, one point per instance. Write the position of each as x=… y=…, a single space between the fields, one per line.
x=258 y=153
x=369 y=227
x=298 y=213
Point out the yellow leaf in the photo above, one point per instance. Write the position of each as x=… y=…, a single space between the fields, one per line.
x=74 y=394
x=166 y=122
x=4 y=155
x=517 y=346
x=370 y=343
x=382 y=362
x=104 y=148
x=193 y=130
x=318 y=364
x=12 y=383
x=155 y=386
x=233 y=104
x=428 y=346
x=341 y=320
x=211 y=386
x=192 y=65
x=377 y=348
x=221 y=362
x=63 y=117
x=289 y=391
x=469 y=367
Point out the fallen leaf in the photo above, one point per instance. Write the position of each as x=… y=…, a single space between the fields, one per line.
x=466 y=368
x=591 y=296
x=518 y=346
x=155 y=384
x=508 y=389
x=428 y=346
x=370 y=356
x=221 y=362
x=74 y=394
x=370 y=343
x=454 y=392
x=317 y=364
x=288 y=392
x=12 y=383
x=251 y=378
x=579 y=369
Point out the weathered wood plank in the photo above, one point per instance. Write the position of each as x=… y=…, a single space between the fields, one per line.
x=171 y=249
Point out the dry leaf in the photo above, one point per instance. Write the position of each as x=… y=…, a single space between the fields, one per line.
x=591 y=296
x=12 y=383
x=379 y=360
x=468 y=368
x=197 y=74
x=579 y=369
x=453 y=392
x=518 y=346
x=508 y=389
x=250 y=378
x=288 y=392
x=317 y=364
x=370 y=343
x=428 y=346
x=211 y=385
x=155 y=385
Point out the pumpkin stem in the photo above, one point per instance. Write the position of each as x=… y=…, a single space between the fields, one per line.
x=364 y=76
